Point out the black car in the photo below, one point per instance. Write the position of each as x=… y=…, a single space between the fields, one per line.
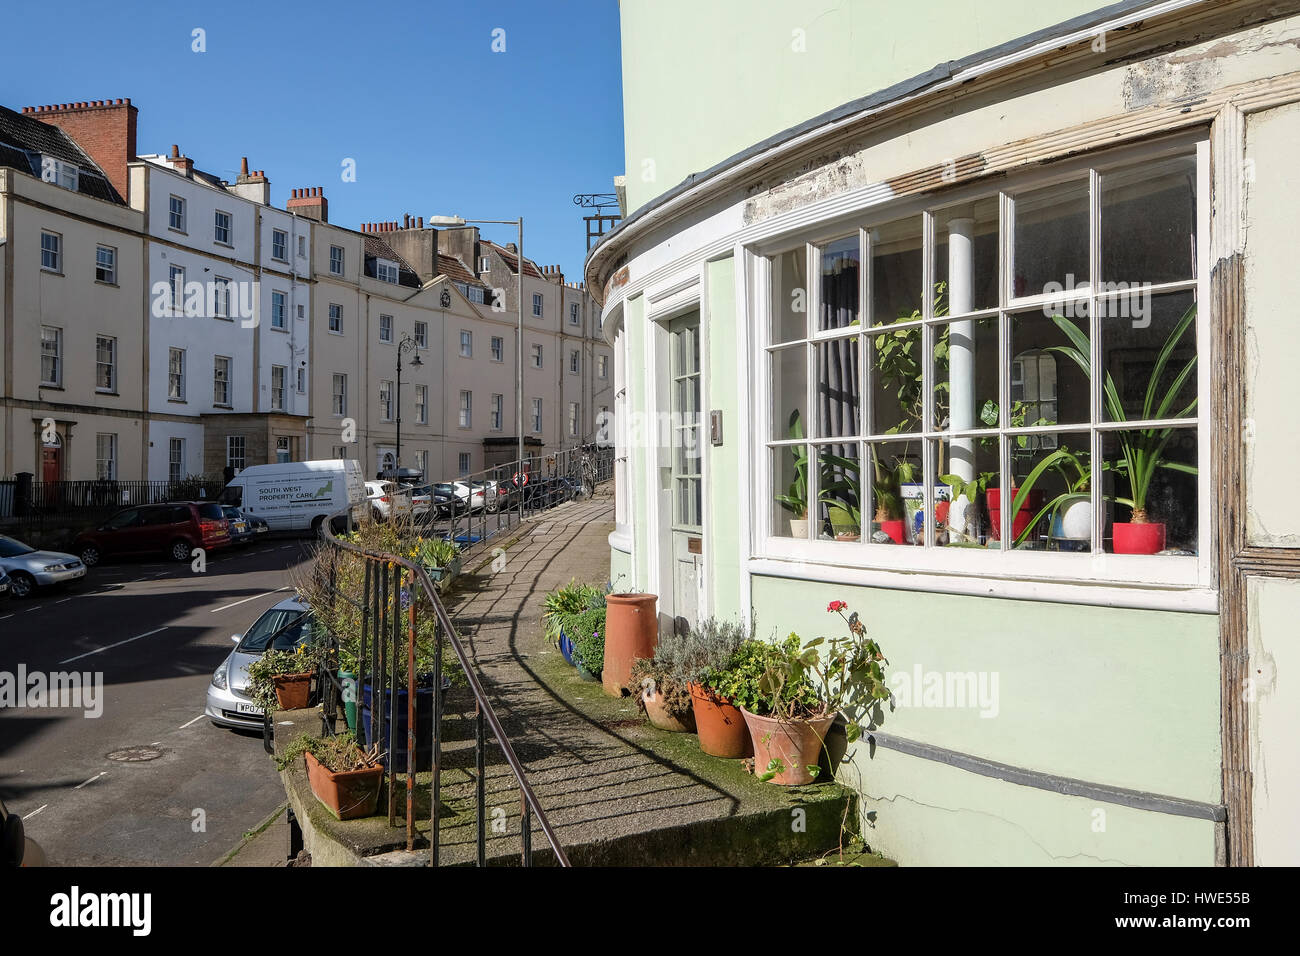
x=244 y=528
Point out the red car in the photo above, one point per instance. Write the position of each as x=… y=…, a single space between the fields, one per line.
x=174 y=529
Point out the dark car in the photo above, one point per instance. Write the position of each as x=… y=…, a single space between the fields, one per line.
x=244 y=528
x=174 y=529
x=446 y=502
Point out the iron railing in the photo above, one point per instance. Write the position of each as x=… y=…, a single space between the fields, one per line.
x=397 y=593
x=24 y=498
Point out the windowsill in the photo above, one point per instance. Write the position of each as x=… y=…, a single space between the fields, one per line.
x=385 y=341
x=111 y=285
x=52 y=272
x=181 y=401
x=107 y=391
x=223 y=245
x=179 y=232
x=279 y=260
x=279 y=328
x=224 y=318
x=1006 y=581
x=334 y=331
x=52 y=388
x=229 y=408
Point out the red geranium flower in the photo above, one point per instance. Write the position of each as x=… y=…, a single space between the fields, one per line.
x=836 y=606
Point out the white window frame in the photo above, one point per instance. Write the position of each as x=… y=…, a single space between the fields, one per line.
x=385 y=329
x=110 y=365
x=178 y=377
x=279 y=310
x=176 y=288
x=280 y=238
x=56 y=354
x=537 y=416
x=339 y=394
x=602 y=366
x=575 y=419
x=935 y=566
x=52 y=252
x=421 y=334
x=466 y=343
x=464 y=462
x=466 y=418
x=175 y=462
x=386 y=400
x=538 y=355
x=337 y=261
x=283 y=445
x=386 y=270
x=574 y=314
x=484 y=264
x=538 y=304
x=277 y=400
x=106 y=464
x=176 y=213
x=106 y=264
x=221 y=228
x=498 y=348
x=335 y=319
x=497 y=414
x=575 y=362
x=236 y=451
x=301 y=377
x=221 y=297
x=220 y=362
x=421 y=404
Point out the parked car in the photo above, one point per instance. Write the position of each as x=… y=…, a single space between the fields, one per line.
x=4 y=583
x=421 y=503
x=244 y=529
x=443 y=501
x=456 y=494
x=388 y=499
x=28 y=568
x=283 y=627
x=490 y=493
x=16 y=847
x=298 y=495
x=175 y=529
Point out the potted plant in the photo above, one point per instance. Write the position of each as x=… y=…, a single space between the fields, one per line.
x=440 y=557
x=589 y=643
x=1069 y=513
x=342 y=775
x=281 y=680
x=801 y=689
x=561 y=606
x=1141 y=450
x=665 y=701
x=795 y=499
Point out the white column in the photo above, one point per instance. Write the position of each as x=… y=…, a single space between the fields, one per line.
x=961 y=345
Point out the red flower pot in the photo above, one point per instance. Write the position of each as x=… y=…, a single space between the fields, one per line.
x=720 y=724
x=1145 y=538
x=292 y=690
x=347 y=795
x=1032 y=504
x=894 y=527
x=796 y=744
x=631 y=632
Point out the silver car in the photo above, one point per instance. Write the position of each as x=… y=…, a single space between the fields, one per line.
x=283 y=628
x=29 y=569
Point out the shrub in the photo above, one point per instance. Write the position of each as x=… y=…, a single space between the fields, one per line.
x=650 y=676
x=563 y=605
x=689 y=657
x=338 y=754
x=589 y=637
x=741 y=680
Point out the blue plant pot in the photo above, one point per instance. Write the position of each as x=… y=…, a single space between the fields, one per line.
x=566 y=647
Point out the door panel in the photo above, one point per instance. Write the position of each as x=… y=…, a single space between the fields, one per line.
x=686 y=466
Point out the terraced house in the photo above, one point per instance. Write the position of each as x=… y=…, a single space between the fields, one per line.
x=161 y=321
x=986 y=331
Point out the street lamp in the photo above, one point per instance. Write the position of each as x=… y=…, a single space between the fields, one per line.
x=405 y=345
x=519 y=334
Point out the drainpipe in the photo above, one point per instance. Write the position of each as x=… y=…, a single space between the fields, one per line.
x=961 y=345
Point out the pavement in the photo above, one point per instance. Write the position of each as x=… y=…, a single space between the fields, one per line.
x=149 y=781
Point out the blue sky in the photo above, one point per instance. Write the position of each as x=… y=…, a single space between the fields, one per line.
x=437 y=122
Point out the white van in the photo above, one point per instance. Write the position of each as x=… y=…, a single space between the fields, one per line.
x=298 y=495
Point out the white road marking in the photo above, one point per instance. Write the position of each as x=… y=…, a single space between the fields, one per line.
x=198 y=718
x=36 y=811
x=64 y=601
x=227 y=607
x=91 y=780
x=3 y=616
x=111 y=646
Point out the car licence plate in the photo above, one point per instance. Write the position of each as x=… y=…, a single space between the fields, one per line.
x=243 y=708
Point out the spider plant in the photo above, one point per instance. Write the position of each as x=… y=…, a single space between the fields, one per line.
x=1142 y=450
x=1076 y=474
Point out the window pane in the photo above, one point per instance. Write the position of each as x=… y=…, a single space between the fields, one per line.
x=1152 y=470
x=965 y=375
x=966 y=257
x=789 y=392
x=1148 y=223
x=840 y=498
x=790 y=295
x=1149 y=353
x=894 y=470
x=896 y=380
x=1050 y=358
x=1051 y=477
x=838 y=388
x=965 y=470
x=1051 y=239
x=840 y=273
x=896 y=271
x=790 y=491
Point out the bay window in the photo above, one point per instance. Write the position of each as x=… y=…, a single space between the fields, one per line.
x=1012 y=371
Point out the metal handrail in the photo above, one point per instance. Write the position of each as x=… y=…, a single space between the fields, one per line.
x=483 y=706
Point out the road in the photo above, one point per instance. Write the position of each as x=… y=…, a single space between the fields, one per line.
x=155 y=632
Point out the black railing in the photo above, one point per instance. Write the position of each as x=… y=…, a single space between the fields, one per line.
x=389 y=602
x=21 y=498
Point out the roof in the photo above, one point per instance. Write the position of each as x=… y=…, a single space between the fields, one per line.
x=511 y=260
x=452 y=268
x=25 y=139
x=376 y=248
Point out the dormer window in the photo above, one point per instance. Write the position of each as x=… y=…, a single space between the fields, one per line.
x=386 y=270
x=60 y=173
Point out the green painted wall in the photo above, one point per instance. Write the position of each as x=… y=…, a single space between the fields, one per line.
x=636 y=332
x=723 y=393
x=1112 y=696
x=702 y=81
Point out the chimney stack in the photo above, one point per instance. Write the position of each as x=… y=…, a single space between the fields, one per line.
x=254 y=185
x=104 y=129
x=310 y=203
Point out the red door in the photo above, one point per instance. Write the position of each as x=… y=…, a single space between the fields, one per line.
x=50 y=470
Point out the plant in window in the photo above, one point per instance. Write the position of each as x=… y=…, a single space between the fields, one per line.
x=795 y=498
x=1069 y=513
x=1142 y=450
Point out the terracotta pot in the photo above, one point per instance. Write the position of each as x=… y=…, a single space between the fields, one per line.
x=631 y=632
x=661 y=717
x=720 y=725
x=1145 y=538
x=292 y=690
x=797 y=744
x=350 y=794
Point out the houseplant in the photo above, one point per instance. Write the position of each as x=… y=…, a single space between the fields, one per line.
x=589 y=643
x=440 y=557
x=1069 y=513
x=799 y=691
x=342 y=775
x=1141 y=450
x=560 y=606
x=704 y=663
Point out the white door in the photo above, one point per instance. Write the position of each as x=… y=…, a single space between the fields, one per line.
x=686 y=544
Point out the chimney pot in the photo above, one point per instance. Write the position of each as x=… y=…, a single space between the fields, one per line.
x=421 y=223
x=243 y=165
x=176 y=151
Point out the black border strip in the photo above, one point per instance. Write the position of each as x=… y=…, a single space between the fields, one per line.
x=1137 y=799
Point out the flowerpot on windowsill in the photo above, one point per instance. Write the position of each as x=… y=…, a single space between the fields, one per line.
x=292 y=691
x=349 y=794
x=894 y=527
x=1145 y=537
x=794 y=744
x=1074 y=522
x=720 y=724
x=1032 y=504
x=799 y=527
